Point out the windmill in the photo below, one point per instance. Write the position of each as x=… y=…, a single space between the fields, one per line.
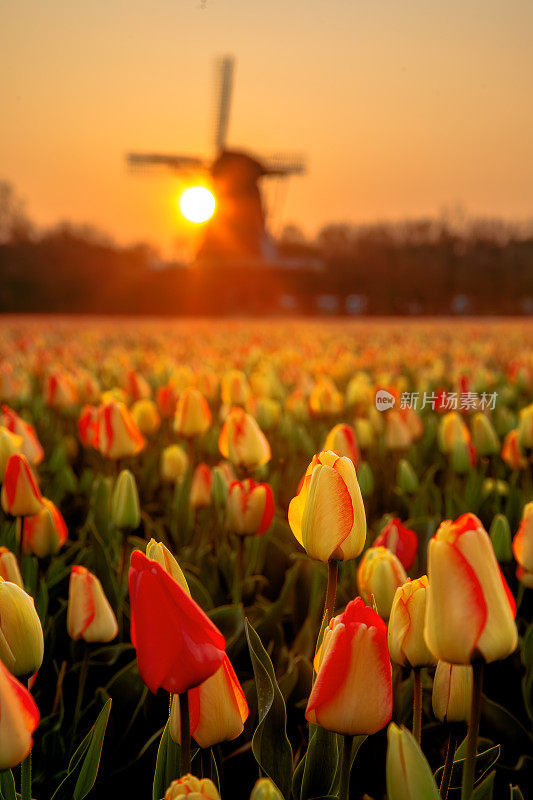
x=236 y=233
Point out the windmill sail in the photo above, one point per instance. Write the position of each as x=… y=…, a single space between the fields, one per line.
x=224 y=86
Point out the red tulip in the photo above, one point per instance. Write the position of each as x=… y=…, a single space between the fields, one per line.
x=402 y=541
x=178 y=647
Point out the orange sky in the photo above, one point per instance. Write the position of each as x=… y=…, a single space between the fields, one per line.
x=403 y=107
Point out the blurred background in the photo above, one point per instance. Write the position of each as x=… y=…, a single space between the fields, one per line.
x=222 y=157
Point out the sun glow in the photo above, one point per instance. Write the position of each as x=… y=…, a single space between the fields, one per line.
x=197 y=204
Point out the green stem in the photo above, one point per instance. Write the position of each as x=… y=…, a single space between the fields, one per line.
x=473 y=731
x=417 y=704
x=239 y=571
x=448 y=764
x=344 y=791
x=331 y=591
x=84 y=669
x=185 y=734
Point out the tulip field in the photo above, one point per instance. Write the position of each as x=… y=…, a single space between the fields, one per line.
x=276 y=560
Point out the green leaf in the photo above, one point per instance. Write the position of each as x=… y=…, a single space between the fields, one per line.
x=7 y=785
x=484 y=761
x=485 y=790
x=86 y=759
x=321 y=761
x=167 y=764
x=270 y=745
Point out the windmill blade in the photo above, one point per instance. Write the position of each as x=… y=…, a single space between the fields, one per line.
x=176 y=163
x=223 y=87
x=284 y=164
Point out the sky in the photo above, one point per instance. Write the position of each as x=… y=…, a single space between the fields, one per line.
x=403 y=108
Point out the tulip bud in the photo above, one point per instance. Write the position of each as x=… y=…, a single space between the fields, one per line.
x=158 y=552
x=235 y=389
x=265 y=789
x=512 y=452
x=452 y=692
x=20 y=494
x=89 y=615
x=118 y=435
x=327 y=516
x=44 y=533
x=19 y=717
x=409 y=775
x=407 y=645
x=359 y=394
x=523 y=547
x=10 y=444
x=137 y=387
x=196 y=788
x=250 y=507
x=218 y=709
x=414 y=422
x=146 y=416
x=352 y=693
x=397 y=433
x=470 y=611
x=9 y=568
x=202 y=481
x=364 y=432
x=365 y=479
x=265 y=410
x=125 y=508
x=167 y=399
x=21 y=633
x=452 y=430
x=325 y=399
x=406 y=477
x=341 y=439
x=193 y=415
x=88 y=425
x=500 y=537
x=525 y=426
x=174 y=463
x=60 y=390
x=380 y=573
x=463 y=457
x=242 y=441
x=401 y=541
x=484 y=436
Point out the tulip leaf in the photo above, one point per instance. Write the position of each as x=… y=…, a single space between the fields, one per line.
x=85 y=760
x=7 y=785
x=167 y=764
x=484 y=761
x=516 y=794
x=485 y=790
x=270 y=745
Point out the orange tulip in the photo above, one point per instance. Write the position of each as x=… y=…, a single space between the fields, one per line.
x=341 y=439
x=512 y=452
x=193 y=415
x=217 y=709
x=452 y=431
x=235 y=388
x=31 y=446
x=89 y=615
x=137 y=387
x=352 y=693
x=523 y=547
x=242 y=441
x=250 y=507
x=88 y=425
x=192 y=787
x=19 y=717
x=452 y=692
x=118 y=435
x=398 y=435
x=146 y=416
x=10 y=444
x=202 y=481
x=470 y=611
x=21 y=496
x=401 y=541
x=60 y=390
x=9 y=568
x=405 y=633
x=44 y=533
x=166 y=399
x=380 y=573
x=325 y=399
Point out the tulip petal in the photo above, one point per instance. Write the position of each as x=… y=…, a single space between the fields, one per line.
x=328 y=516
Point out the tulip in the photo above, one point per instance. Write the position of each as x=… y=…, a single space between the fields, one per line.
x=118 y=435
x=325 y=400
x=523 y=547
x=146 y=416
x=125 y=508
x=401 y=541
x=341 y=439
x=10 y=444
x=178 y=647
x=265 y=789
x=352 y=693
x=166 y=399
x=9 y=568
x=250 y=507
x=60 y=390
x=193 y=415
x=21 y=633
x=407 y=645
x=409 y=775
x=242 y=441
x=88 y=425
x=31 y=446
x=207 y=382
x=512 y=452
x=265 y=410
x=202 y=481
x=217 y=708
x=89 y=615
x=500 y=537
x=235 y=389
x=406 y=477
x=359 y=393
x=452 y=430
x=44 y=533
x=525 y=426
x=380 y=573
x=194 y=788
x=414 y=422
x=158 y=552
x=174 y=463
x=20 y=494
x=470 y=611
x=452 y=692
x=397 y=433
x=484 y=436
x=137 y=387
x=364 y=433
x=463 y=457
x=19 y=717
x=327 y=516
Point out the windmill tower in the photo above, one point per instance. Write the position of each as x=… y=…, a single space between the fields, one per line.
x=236 y=234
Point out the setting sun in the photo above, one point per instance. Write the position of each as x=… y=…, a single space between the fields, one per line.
x=197 y=204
